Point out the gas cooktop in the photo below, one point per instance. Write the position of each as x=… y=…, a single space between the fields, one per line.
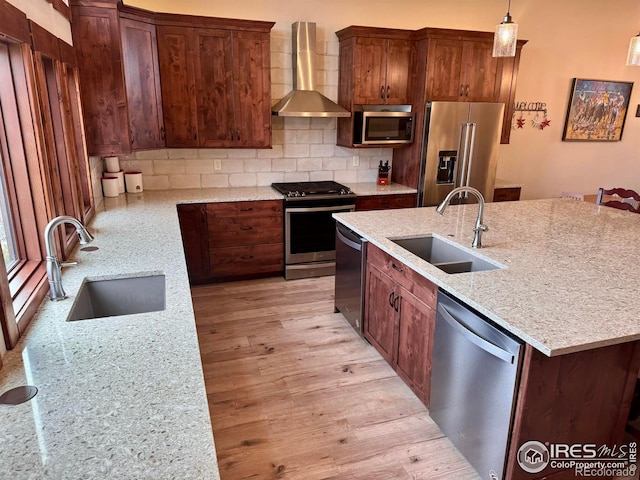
x=312 y=189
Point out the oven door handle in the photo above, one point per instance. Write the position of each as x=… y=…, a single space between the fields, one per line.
x=336 y=208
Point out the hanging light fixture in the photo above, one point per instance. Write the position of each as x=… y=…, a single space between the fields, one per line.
x=633 y=56
x=506 y=36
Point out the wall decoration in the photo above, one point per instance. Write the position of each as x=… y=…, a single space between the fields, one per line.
x=540 y=120
x=597 y=110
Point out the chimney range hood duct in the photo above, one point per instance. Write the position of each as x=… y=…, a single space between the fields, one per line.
x=304 y=100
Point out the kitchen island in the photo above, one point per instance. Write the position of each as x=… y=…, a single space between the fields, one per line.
x=561 y=289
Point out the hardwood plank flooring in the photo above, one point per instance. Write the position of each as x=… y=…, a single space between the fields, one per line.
x=295 y=393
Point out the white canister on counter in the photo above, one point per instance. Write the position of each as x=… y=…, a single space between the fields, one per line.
x=110 y=187
x=133 y=182
x=119 y=175
x=112 y=164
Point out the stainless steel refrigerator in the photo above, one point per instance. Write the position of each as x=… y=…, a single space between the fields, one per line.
x=460 y=147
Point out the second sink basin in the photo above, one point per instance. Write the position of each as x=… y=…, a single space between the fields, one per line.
x=446 y=256
x=119 y=296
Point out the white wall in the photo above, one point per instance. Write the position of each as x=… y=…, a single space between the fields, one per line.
x=567 y=39
x=43 y=13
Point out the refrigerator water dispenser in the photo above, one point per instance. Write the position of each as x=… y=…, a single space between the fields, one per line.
x=446 y=166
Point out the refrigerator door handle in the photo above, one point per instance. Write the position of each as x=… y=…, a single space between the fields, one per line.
x=472 y=127
x=464 y=149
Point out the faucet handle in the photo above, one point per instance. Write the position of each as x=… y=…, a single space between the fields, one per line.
x=68 y=264
x=482 y=227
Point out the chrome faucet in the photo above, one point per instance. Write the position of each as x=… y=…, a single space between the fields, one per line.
x=479 y=227
x=54 y=266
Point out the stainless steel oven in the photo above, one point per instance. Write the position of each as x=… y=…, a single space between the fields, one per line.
x=309 y=227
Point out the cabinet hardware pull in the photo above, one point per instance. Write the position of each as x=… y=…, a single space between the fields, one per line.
x=462 y=90
x=397 y=268
x=466 y=90
x=163 y=133
x=246 y=209
x=388 y=91
x=246 y=257
x=382 y=92
x=396 y=303
x=391 y=295
x=246 y=227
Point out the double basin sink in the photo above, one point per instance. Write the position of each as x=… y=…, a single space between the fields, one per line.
x=446 y=256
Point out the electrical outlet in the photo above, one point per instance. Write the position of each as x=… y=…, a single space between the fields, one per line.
x=217 y=164
x=356 y=161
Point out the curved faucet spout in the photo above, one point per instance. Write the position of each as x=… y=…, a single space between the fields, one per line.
x=54 y=267
x=479 y=227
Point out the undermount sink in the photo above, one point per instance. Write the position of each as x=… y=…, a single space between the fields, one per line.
x=448 y=257
x=119 y=296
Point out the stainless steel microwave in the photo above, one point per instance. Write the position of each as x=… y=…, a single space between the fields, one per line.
x=382 y=124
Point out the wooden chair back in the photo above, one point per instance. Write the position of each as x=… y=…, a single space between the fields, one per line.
x=628 y=199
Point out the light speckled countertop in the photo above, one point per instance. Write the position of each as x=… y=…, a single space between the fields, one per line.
x=120 y=397
x=569 y=284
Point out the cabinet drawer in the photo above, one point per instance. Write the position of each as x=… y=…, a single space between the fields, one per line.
x=381 y=202
x=247 y=260
x=415 y=283
x=242 y=230
x=244 y=209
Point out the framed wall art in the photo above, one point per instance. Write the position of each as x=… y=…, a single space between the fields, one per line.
x=597 y=110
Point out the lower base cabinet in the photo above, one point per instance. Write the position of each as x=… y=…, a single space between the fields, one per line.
x=400 y=319
x=383 y=202
x=232 y=240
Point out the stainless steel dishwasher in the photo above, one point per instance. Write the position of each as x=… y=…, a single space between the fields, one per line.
x=350 y=272
x=475 y=374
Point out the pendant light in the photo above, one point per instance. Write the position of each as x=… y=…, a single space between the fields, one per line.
x=633 y=56
x=506 y=36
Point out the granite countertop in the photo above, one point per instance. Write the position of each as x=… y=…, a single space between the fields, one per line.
x=120 y=397
x=569 y=281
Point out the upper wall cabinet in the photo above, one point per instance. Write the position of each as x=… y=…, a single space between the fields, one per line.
x=216 y=83
x=376 y=68
x=118 y=65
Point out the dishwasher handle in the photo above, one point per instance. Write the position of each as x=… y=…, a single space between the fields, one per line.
x=474 y=337
x=355 y=245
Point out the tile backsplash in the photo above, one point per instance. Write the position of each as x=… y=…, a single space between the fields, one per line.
x=303 y=148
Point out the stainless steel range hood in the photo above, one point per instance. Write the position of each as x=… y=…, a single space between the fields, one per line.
x=304 y=100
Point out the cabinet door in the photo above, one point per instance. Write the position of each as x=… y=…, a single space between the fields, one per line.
x=214 y=86
x=380 y=315
x=400 y=60
x=415 y=334
x=252 y=89
x=193 y=226
x=142 y=79
x=177 y=77
x=482 y=72
x=370 y=71
x=445 y=70
x=97 y=43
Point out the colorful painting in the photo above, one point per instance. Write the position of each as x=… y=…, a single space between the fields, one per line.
x=597 y=110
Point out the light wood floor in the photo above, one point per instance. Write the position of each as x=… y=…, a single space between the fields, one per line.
x=295 y=393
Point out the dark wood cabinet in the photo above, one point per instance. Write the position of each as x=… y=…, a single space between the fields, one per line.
x=216 y=86
x=399 y=318
x=120 y=86
x=383 y=202
x=376 y=68
x=463 y=70
x=195 y=240
x=142 y=82
x=246 y=239
x=96 y=38
x=232 y=240
x=506 y=194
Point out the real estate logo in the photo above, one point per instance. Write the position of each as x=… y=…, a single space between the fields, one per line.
x=585 y=459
